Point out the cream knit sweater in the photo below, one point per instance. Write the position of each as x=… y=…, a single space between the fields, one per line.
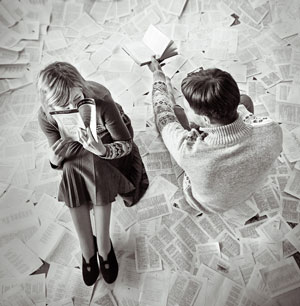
x=224 y=164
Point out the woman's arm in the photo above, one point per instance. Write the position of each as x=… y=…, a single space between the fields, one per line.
x=122 y=140
x=118 y=149
x=116 y=127
x=59 y=149
x=48 y=128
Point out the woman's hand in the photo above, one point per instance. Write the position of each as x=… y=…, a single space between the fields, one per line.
x=58 y=151
x=154 y=65
x=89 y=143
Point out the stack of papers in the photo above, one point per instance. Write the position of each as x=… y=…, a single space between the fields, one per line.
x=168 y=253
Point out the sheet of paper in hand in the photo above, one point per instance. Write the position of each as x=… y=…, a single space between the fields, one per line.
x=154 y=43
x=70 y=120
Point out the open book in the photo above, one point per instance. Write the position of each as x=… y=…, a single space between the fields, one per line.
x=70 y=120
x=154 y=43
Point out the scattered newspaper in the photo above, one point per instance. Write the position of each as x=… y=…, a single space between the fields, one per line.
x=168 y=253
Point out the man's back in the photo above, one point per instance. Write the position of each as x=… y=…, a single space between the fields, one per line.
x=224 y=163
x=228 y=163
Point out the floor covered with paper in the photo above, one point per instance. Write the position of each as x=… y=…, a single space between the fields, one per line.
x=167 y=254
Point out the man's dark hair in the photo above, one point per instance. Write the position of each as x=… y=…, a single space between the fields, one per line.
x=212 y=92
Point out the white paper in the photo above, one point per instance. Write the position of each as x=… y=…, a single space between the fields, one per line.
x=292 y=186
x=294 y=236
x=154 y=290
x=153 y=207
x=204 y=252
x=33 y=285
x=17 y=259
x=184 y=290
x=52 y=241
x=189 y=232
x=145 y=257
x=282 y=276
x=226 y=268
x=229 y=245
x=64 y=282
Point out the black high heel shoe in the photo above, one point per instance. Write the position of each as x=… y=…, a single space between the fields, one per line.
x=109 y=268
x=90 y=271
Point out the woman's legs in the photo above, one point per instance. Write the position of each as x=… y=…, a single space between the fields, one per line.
x=102 y=222
x=82 y=222
x=108 y=262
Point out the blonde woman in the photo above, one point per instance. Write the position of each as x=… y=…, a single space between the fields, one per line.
x=93 y=173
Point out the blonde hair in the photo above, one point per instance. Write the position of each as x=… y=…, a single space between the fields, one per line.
x=55 y=82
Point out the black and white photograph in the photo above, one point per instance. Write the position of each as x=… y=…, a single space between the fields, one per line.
x=150 y=152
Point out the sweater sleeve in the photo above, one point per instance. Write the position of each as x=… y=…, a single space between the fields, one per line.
x=49 y=129
x=172 y=132
x=122 y=140
x=52 y=134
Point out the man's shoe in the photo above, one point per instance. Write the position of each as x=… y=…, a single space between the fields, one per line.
x=90 y=271
x=109 y=268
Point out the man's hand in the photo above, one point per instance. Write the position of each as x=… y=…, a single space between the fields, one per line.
x=89 y=143
x=154 y=65
x=58 y=151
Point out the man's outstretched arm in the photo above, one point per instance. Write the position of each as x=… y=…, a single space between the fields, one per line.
x=172 y=132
